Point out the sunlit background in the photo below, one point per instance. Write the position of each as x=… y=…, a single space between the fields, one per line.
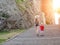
x=56 y=8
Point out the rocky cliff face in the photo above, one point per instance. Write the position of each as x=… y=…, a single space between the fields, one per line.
x=21 y=16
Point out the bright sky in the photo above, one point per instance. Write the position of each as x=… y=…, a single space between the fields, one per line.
x=56 y=4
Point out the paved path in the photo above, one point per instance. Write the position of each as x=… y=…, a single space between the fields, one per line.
x=51 y=37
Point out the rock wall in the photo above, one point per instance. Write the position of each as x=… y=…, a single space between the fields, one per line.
x=18 y=18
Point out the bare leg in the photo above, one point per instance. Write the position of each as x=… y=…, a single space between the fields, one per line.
x=37 y=31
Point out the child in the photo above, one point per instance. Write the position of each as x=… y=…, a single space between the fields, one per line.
x=41 y=29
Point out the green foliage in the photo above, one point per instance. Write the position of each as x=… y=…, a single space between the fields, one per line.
x=21 y=5
x=3 y=30
x=9 y=34
x=4 y=14
x=2 y=40
x=19 y=1
x=22 y=0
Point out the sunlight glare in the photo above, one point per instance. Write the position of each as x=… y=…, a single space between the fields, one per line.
x=56 y=5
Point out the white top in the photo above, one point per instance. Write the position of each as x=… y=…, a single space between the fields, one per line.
x=37 y=16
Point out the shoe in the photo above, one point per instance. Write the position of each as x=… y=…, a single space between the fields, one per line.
x=38 y=35
x=41 y=35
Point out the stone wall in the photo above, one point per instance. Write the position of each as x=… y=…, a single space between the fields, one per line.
x=37 y=6
x=2 y=23
x=18 y=18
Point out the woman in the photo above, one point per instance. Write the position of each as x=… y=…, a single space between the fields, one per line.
x=37 y=24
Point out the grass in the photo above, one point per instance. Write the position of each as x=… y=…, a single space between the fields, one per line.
x=9 y=34
x=2 y=40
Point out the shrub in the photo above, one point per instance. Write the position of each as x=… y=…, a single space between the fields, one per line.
x=3 y=19
x=4 y=14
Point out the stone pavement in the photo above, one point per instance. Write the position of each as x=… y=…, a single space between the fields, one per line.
x=51 y=37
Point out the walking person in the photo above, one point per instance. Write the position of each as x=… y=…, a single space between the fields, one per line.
x=36 y=20
x=41 y=29
x=42 y=23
